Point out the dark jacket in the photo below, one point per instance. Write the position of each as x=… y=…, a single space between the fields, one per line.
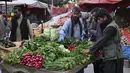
x=23 y=26
x=110 y=42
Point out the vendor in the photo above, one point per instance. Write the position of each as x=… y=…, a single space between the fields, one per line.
x=109 y=43
x=73 y=27
x=20 y=27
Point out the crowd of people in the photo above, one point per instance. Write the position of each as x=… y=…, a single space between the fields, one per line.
x=100 y=28
x=105 y=35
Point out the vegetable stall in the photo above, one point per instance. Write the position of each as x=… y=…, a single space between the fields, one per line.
x=48 y=56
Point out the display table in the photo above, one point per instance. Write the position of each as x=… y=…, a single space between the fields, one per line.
x=26 y=69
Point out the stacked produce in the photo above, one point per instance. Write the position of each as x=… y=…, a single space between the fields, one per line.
x=15 y=56
x=62 y=20
x=32 y=60
x=125 y=38
x=43 y=53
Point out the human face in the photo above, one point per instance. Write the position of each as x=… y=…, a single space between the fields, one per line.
x=76 y=14
x=94 y=13
x=17 y=13
x=101 y=20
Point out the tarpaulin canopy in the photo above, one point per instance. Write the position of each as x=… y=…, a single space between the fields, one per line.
x=6 y=0
x=55 y=2
x=99 y=1
x=33 y=3
x=39 y=4
x=110 y=5
x=19 y=2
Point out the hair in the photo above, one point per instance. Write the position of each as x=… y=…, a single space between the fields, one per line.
x=76 y=9
x=102 y=12
x=95 y=9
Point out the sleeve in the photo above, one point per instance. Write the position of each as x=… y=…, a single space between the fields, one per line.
x=108 y=34
x=83 y=32
x=9 y=26
x=30 y=29
x=64 y=29
x=92 y=28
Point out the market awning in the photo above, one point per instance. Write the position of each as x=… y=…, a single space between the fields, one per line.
x=19 y=2
x=33 y=3
x=99 y=1
x=6 y=0
x=55 y=2
x=39 y=4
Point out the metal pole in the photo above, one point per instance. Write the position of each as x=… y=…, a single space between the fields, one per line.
x=6 y=8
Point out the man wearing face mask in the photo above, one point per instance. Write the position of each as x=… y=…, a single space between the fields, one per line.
x=109 y=43
x=73 y=27
x=20 y=27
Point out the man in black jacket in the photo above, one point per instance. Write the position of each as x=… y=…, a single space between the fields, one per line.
x=20 y=27
x=109 y=43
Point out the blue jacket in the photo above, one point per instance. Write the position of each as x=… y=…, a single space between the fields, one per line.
x=66 y=30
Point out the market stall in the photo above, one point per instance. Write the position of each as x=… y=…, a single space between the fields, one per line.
x=53 y=25
x=32 y=5
x=49 y=56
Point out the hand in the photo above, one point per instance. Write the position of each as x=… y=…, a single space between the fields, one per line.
x=61 y=39
x=86 y=51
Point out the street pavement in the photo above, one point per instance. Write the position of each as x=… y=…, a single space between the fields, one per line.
x=89 y=69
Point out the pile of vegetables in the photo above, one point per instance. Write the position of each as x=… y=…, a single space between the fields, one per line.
x=15 y=56
x=32 y=60
x=52 y=55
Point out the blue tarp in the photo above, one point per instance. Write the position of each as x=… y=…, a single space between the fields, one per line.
x=126 y=50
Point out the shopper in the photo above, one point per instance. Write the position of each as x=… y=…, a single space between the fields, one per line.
x=109 y=43
x=95 y=32
x=73 y=27
x=2 y=27
x=85 y=16
x=20 y=27
x=93 y=27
